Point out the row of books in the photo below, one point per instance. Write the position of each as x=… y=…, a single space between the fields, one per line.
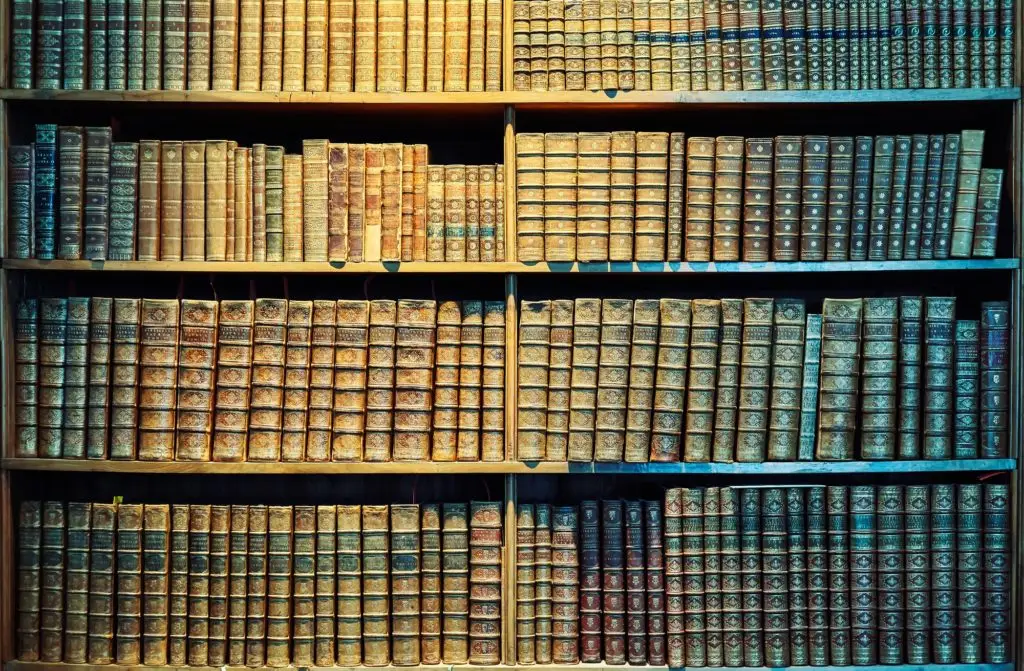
x=264 y=380
x=653 y=196
x=803 y=576
x=753 y=45
x=256 y=585
x=76 y=194
x=252 y=45
x=761 y=379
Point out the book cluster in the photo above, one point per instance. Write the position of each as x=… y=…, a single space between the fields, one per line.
x=257 y=45
x=76 y=194
x=256 y=585
x=264 y=380
x=761 y=379
x=654 y=196
x=753 y=45
x=768 y=577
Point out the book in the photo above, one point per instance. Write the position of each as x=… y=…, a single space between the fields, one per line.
x=565 y=584
x=291 y=198
x=917 y=576
x=814 y=198
x=101 y=583
x=218 y=610
x=560 y=194
x=839 y=208
x=757 y=189
x=320 y=367
x=711 y=562
x=26 y=377
x=456 y=45
x=864 y=147
x=434 y=232
x=471 y=353
x=296 y=380
x=348 y=359
x=314 y=200
x=593 y=203
x=193 y=243
x=534 y=353
x=356 y=200
x=751 y=576
x=966 y=370
x=234 y=380
x=97 y=411
x=198 y=583
x=280 y=562
x=348 y=605
x=303 y=586
x=199 y=45
x=910 y=358
x=995 y=324
x=622 y=193
x=19 y=196
x=786 y=197
x=613 y=597
x=238 y=578
x=947 y=196
x=797 y=573
x=485 y=582
x=937 y=419
x=455 y=244
x=380 y=378
x=676 y=180
x=414 y=359
x=526 y=583
x=879 y=359
x=968 y=575
x=586 y=344
x=700 y=422
x=405 y=583
x=455 y=583
x=544 y=609
x=727 y=393
x=559 y=380
x=840 y=366
x=51 y=580
x=430 y=583
x=654 y=571
x=968 y=181
x=492 y=401
x=171 y=167
x=76 y=579
x=881 y=197
x=444 y=437
x=987 y=215
x=787 y=359
x=839 y=580
x=642 y=373
x=71 y=155
x=96 y=212
x=148 y=244
x=123 y=192
x=53 y=317
x=256 y=590
x=933 y=170
x=673 y=340
x=590 y=581
x=293 y=56
x=392 y=186
x=195 y=383
x=612 y=379
x=178 y=591
x=863 y=563
x=44 y=190
x=755 y=380
x=158 y=359
x=995 y=538
x=704 y=222
x=775 y=577
x=124 y=358
x=268 y=379
x=651 y=192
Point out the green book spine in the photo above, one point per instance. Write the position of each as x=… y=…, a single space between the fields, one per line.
x=997 y=574
x=939 y=316
x=775 y=564
x=796 y=555
x=910 y=351
x=966 y=407
x=891 y=617
x=917 y=576
x=839 y=613
x=969 y=573
x=732 y=593
x=863 y=580
x=752 y=587
x=943 y=573
x=878 y=379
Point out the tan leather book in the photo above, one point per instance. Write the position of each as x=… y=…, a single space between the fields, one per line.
x=435 y=224
x=477 y=44
x=380 y=380
x=337 y=202
x=430 y=584
x=456 y=45
x=391 y=203
x=840 y=369
x=275 y=203
x=238 y=577
x=878 y=379
x=280 y=561
x=643 y=361
x=651 y=195
x=408 y=203
x=148 y=578
x=220 y=524
x=97 y=414
x=349 y=622
x=229 y=200
x=390 y=46
x=419 y=202
x=670 y=379
x=487 y=214
x=170 y=199
x=661 y=45
x=356 y=200
x=53 y=317
x=128 y=586
x=728 y=185
x=198 y=589
x=624 y=39
x=296 y=380
x=376 y=596
x=101 y=583
x=340 y=24
x=609 y=44
x=234 y=380
x=526 y=561
x=435 y=47
x=499 y=214
x=350 y=359
x=538 y=45
x=193 y=243
x=242 y=223
x=534 y=358
x=485 y=578
x=414 y=363
x=559 y=380
x=316 y=45
x=623 y=196
x=292 y=207
x=158 y=359
x=326 y=585
x=572 y=14
x=177 y=603
x=293 y=62
x=273 y=45
x=706 y=317
x=76 y=378
x=314 y=200
x=373 y=214
x=757 y=199
x=700 y=198
x=405 y=584
x=444 y=437
x=493 y=45
x=755 y=373
x=225 y=45
x=256 y=589
x=674 y=238
x=124 y=390
x=530 y=196
x=148 y=245
x=613 y=379
x=492 y=401
x=268 y=361
x=416 y=46
x=786 y=198
x=455 y=213
x=521 y=35
x=200 y=14
x=303 y=586
x=321 y=381
x=472 y=212
x=29 y=581
x=727 y=398
x=471 y=345
x=560 y=193
x=593 y=196
x=365 y=45
x=216 y=200
x=250 y=43
x=586 y=348
x=986 y=224
x=455 y=583
x=786 y=379
x=196 y=363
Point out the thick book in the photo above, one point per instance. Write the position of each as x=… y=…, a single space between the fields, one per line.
x=751 y=576
x=995 y=333
x=674 y=239
x=405 y=584
x=642 y=371
x=296 y=380
x=102 y=543
x=613 y=379
x=455 y=583
x=71 y=157
x=593 y=196
x=534 y=352
x=728 y=198
x=96 y=209
x=559 y=380
x=303 y=585
x=76 y=378
x=314 y=200
x=51 y=581
x=268 y=377
x=817 y=576
x=19 y=197
x=526 y=583
x=220 y=524
x=917 y=574
x=445 y=424
x=814 y=198
x=492 y=394
x=320 y=375
x=590 y=582
x=356 y=200
x=652 y=150
x=937 y=399
x=795 y=526
x=786 y=198
x=26 y=377
x=879 y=359
x=915 y=197
x=654 y=571
x=199 y=584
x=943 y=573
x=775 y=578
x=732 y=597
x=53 y=318
x=560 y=194
x=586 y=343
x=256 y=586
x=348 y=603
x=280 y=567
x=966 y=370
x=158 y=359
x=76 y=581
x=840 y=367
x=863 y=565
x=380 y=380
x=622 y=208
x=565 y=582
x=373 y=214
x=757 y=190
x=178 y=586
x=787 y=358
x=293 y=46
x=706 y=317
x=726 y=397
x=414 y=361
x=636 y=583
x=196 y=364
x=839 y=580
x=968 y=181
x=911 y=348
x=673 y=341
x=890 y=582
x=193 y=194
x=234 y=380
x=143 y=579
x=97 y=417
x=123 y=192
x=471 y=356
x=755 y=380
x=996 y=605
x=485 y=578
x=348 y=401
x=969 y=572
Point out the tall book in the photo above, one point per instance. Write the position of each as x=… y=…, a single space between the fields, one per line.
x=373 y=214
x=291 y=199
x=199 y=46
x=171 y=188
x=613 y=379
x=256 y=589
x=471 y=355
x=380 y=380
x=76 y=372
x=565 y=581
x=775 y=576
x=526 y=561
x=193 y=195
x=879 y=374
x=593 y=196
x=53 y=319
x=898 y=202
x=786 y=198
x=314 y=200
x=937 y=420
x=51 y=579
x=968 y=180
x=890 y=582
x=840 y=366
x=796 y=568
x=651 y=195
x=280 y=561
x=622 y=209
x=430 y=584
x=943 y=574
x=158 y=359
x=196 y=364
x=728 y=384
x=839 y=201
x=654 y=571
x=642 y=372
x=348 y=606
x=485 y=540
x=268 y=373
x=26 y=377
x=414 y=361
x=220 y=524
x=143 y=577
x=915 y=197
x=669 y=379
x=534 y=353
x=293 y=56
x=238 y=579
x=863 y=565
x=917 y=576
x=340 y=23
x=455 y=583
x=702 y=225
x=881 y=196
x=101 y=583
x=839 y=612
x=97 y=418
x=675 y=594
x=864 y=147
x=434 y=230
x=148 y=244
x=910 y=358
x=711 y=561
x=543 y=576
x=76 y=581
x=296 y=380
x=969 y=598
x=178 y=594
x=560 y=193
x=995 y=541
x=303 y=585
x=995 y=333
x=348 y=414
x=44 y=190
x=732 y=584
x=755 y=380
x=676 y=192
x=751 y=576
x=586 y=344
x=706 y=318
x=123 y=190
x=930 y=211
x=234 y=380
x=198 y=589
x=321 y=374
x=814 y=198
x=391 y=202
x=19 y=194
x=71 y=157
x=787 y=358
x=590 y=582
x=445 y=425
x=948 y=180
x=613 y=596
x=757 y=190
x=530 y=196
x=966 y=404
x=96 y=210
x=817 y=576
x=274 y=188
x=405 y=584
x=492 y=401
x=337 y=202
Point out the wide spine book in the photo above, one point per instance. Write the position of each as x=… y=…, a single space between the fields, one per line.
x=590 y=582
x=238 y=576
x=337 y=202
x=19 y=196
x=414 y=362
x=565 y=580
x=471 y=354
x=445 y=424
x=621 y=221
x=102 y=586
x=220 y=525
x=642 y=371
x=878 y=379
x=911 y=348
x=320 y=376
x=74 y=52
x=534 y=352
x=456 y=44
x=943 y=574
x=673 y=341
x=123 y=191
x=303 y=586
x=196 y=363
x=51 y=581
x=968 y=181
x=455 y=583
x=652 y=159
x=71 y=157
x=661 y=45
x=700 y=422
x=485 y=578
x=234 y=380
x=795 y=527
x=995 y=333
x=937 y=419
x=996 y=574
x=280 y=566
x=44 y=190
x=530 y=196
x=703 y=227
x=728 y=191
x=757 y=190
x=348 y=401
x=492 y=400
x=560 y=193
x=76 y=378
x=751 y=54
x=969 y=571
x=607 y=10
x=158 y=359
x=613 y=379
x=76 y=581
x=948 y=181
x=786 y=198
x=380 y=380
x=593 y=196
x=814 y=198
x=966 y=402
x=863 y=564
x=430 y=584
x=728 y=384
x=256 y=586
x=526 y=582
x=296 y=380
x=755 y=380
x=348 y=605
x=143 y=560
x=198 y=590
x=97 y=412
x=840 y=367
x=268 y=371
x=53 y=319
x=216 y=185
x=860 y=200
x=586 y=344
x=26 y=377
x=178 y=587
x=787 y=357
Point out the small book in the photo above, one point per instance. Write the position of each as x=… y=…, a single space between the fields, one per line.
x=268 y=379
x=787 y=357
x=881 y=197
x=303 y=586
x=348 y=402
x=44 y=189
x=703 y=374
x=559 y=380
x=26 y=377
x=622 y=208
x=705 y=222
x=380 y=380
x=445 y=425
x=280 y=562
x=196 y=364
x=986 y=220
x=652 y=151
x=293 y=50
x=642 y=370
x=814 y=198
x=840 y=367
x=405 y=584
x=726 y=398
x=234 y=380
x=97 y=417
x=320 y=372
x=414 y=361
x=534 y=353
x=787 y=198
x=910 y=357
x=878 y=379
x=860 y=205
x=593 y=196
x=349 y=624
x=937 y=420
x=296 y=380
x=256 y=591
x=839 y=620
x=966 y=371
x=968 y=181
x=670 y=379
x=492 y=401
x=158 y=359
x=757 y=198
x=754 y=383
x=220 y=524
x=51 y=581
x=995 y=333
x=613 y=379
x=560 y=195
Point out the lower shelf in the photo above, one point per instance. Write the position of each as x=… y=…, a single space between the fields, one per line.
x=44 y=666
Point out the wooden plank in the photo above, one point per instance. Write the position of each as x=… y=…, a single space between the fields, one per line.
x=508 y=573
x=511 y=366
x=8 y=559
x=247 y=267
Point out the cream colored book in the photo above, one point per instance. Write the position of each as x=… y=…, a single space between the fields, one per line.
x=216 y=200
x=416 y=46
x=534 y=352
x=250 y=43
x=435 y=45
x=341 y=15
x=273 y=44
x=225 y=45
x=314 y=200
x=493 y=46
x=294 y=60
x=444 y=437
x=350 y=357
x=391 y=46
x=477 y=43
x=243 y=205
x=366 y=45
x=316 y=45
x=293 y=207
x=456 y=45
x=373 y=216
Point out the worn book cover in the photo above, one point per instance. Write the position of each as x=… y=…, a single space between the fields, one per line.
x=158 y=360
x=613 y=379
x=787 y=356
x=787 y=198
x=320 y=372
x=840 y=366
x=196 y=364
x=445 y=426
x=471 y=346
x=414 y=362
x=651 y=196
x=234 y=380
x=701 y=192
x=937 y=420
x=673 y=341
x=702 y=377
x=296 y=380
x=879 y=359
x=349 y=360
x=534 y=352
x=492 y=439
x=757 y=199
x=268 y=378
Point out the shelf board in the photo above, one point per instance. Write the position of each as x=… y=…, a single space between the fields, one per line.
x=514 y=467
x=45 y=666
x=482 y=268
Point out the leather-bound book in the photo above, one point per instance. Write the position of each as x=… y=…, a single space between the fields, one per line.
x=198 y=47
x=642 y=371
x=296 y=380
x=314 y=200
x=419 y=224
x=712 y=569
x=405 y=584
x=534 y=353
x=485 y=540
x=917 y=573
x=456 y=45
x=455 y=583
x=407 y=203
x=391 y=202
x=19 y=194
x=526 y=562
x=703 y=375
x=316 y=46
x=728 y=383
x=325 y=545
x=148 y=243
x=609 y=44
x=676 y=193
x=787 y=357
x=755 y=380
x=776 y=578
x=839 y=608
x=268 y=371
x=220 y=524
x=101 y=583
x=256 y=590
x=337 y=202
x=987 y=217
x=158 y=361
x=23 y=38
x=728 y=190
x=613 y=593
x=26 y=377
x=492 y=43
x=416 y=47
x=881 y=197
x=471 y=378
x=445 y=425
x=583 y=380
x=732 y=598
x=293 y=49
x=795 y=549
x=864 y=147
x=915 y=197
x=670 y=379
x=817 y=576
x=787 y=198
x=198 y=584
x=661 y=45
x=97 y=417
x=796 y=46
x=898 y=202
x=840 y=368
x=593 y=196
x=701 y=192
x=590 y=582
x=71 y=154
x=624 y=40
x=947 y=195
x=891 y=596
x=751 y=576
x=995 y=333
x=123 y=189
x=675 y=592
x=143 y=560
x=878 y=381
x=291 y=199
x=171 y=167
x=238 y=577
x=930 y=208
x=340 y=45
x=521 y=51
x=348 y=608
x=414 y=362
x=216 y=200
x=757 y=189
x=939 y=316
x=250 y=43
x=652 y=151
x=863 y=564
x=492 y=400
x=943 y=574
x=275 y=203
x=814 y=198
x=430 y=584
x=178 y=587
x=76 y=581
x=839 y=201
x=488 y=232
x=44 y=189
x=613 y=379
x=680 y=49
x=968 y=181
x=969 y=600
x=565 y=579
x=751 y=57
x=575 y=48
x=636 y=601
x=621 y=222
x=694 y=583
x=193 y=202
x=349 y=360
x=51 y=581
x=234 y=380
x=196 y=364
x=53 y=318
x=434 y=233
x=225 y=46
x=472 y=191
x=654 y=569
x=76 y=378
x=910 y=358
x=74 y=65
x=48 y=51
x=380 y=380
x=303 y=586
x=530 y=196
x=996 y=557
x=280 y=561
x=966 y=371
x=321 y=381
x=560 y=195
x=96 y=210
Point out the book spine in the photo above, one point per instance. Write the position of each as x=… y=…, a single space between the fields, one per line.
x=420 y=175
x=340 y=24
x=622 y=205
x=624 y=40
x=414 y=359
x=476 y=44
x=996 y=557
x=915 y=197
x=241 y=224
x=19 y=197
x=486 y=206
x=727 y=400
x=530 y=176
x=430 y=584
x=436 y=45
x=153 y=44
x=238 y=577
x=446 y=382
x=995 y=325
x=303 y=590
x=947 y=195
x=839 y=587
x=96 y=210
x=178 y=606
x=492 y=401
x=839 y=207
x=321 y=381
x=560 y=196
x=485 y=535
x=173 y=43
x=863 y=553
x=652 y=152
x=407 y=180
x=296 y=380
x=659 y=12
x=700 y=420
x=256 y=587
x=199 y=584
x=219 y=532
x=727 y=181
x=586 y=343
x=732 y=599
x=455 y=241
x=455 y=583
x=76 y=378
x=280 y=565
x=51 y=580
x=76 y=582
x=268 y=377
x=534 y=351
x=23 y=39
x=471 y=378
x=755 y=374
x=314 y=200
x=148 y=245
x=966 y=370
x=910 y=351
x=796 y=566
x=612 y=379
x=493 y=43
x=1005 y=38
x=74 y=48
x=349 y=384
x=293 y=46
x=840 y=367
x=124 y=357
x=565 y=579
x=607 y=10
x=373 y=216
x=53 y=317
x=711 y=562
x=787 y=198
x=380 y=380
x=939 y=314
x=881 y=197
x=472 y=188
x=526 y=584
x=590 y=582
x=969 y=576
x=416 y=47
x=316 y=45
x=101 y=583
x=613 y=595
x=291 y=198
x=943 y=573
x=814 y=198
x=917 y=576
x=757 y=189
x=97 y=420
x=250 y=42
x=391 y=203
x=499 y=212
x=670 y=379
x=435 y=225
x=787 y=359
x=49 y=44
x=27 y=377
x=135 y=45
x=642 y=366
x=987 y=217
x=968 y=182
x=777 y=638
x=878 y=370
x=234 y=380
x=143 y=581
x=405 y=583
x=70 y=147
x=861 y=197
x=193 y=194
x=891 y=533
x=171 y=200
x=273 y=45
x=456 y=44
x=930 y=209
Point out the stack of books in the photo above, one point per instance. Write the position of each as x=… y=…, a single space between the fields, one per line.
x=652 y=196
x=258 y=45
x=774 y=45
x=264 y=380
x=212 y=585
x=76 y=194
x=768 y=577
x=761 y=379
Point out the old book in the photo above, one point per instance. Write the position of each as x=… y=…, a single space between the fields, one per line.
x=408 y=204
x=430 y=584
x=559 y=380
x=435 y=45
x=303 y=586
x=654 y=571
x=76 y=579
x=455 y=583
x=560 y=196
x=937 y=421
x=817 y=576
x=234 y=380
x=881 y=196
x=700 y=388
x=622 y=194
x=71 y=154
x=676 y=192
x=200 y=15
x=340 y=24
x=158 y=359
x=293 y=50
x=910 y=357
x=755 y=380
x=593 y=196
x=391 y=203
x=405 y=583
x=565 y=585
x=320 y=367
x=839 y=564
x=124 y=358
x=414 y=361
x=96 y=210
x=420 y=202
x=337 y=202
x=840 y=366
x=917 y=576
x=537 y=14
x=76 y=378
x=455 y=244
x=492 y=40
x=898 y=202
x=787 y=357
x=526 y=584
x=673 y=341
x=891 y=598
x=635 y=582
x=613 y=380
x=701 y=193
x=554 y=64
x=250 y=42
x=727 y=181
x=314 y=200
x=995 y=540
x=583 y=379
x=193 y=196
x=97 y=412
x=349 y=402
x=195 y=374
x=726 y=400
x=53 y=318
x=492 y=401
x=434 y=232
x=280 y=565
x=390 y=47
x=376 y=606
x=380 y=380
x=44 y=190
x=220 y=524
x=787 y=198
x=534 y=353
x=26 y=377
x=675 y=607
x=51 y=581
x=74 y=65
x=178 y=592
x=995 y=325
x=48 y=52
x=216 y=184
x=258 y=205
x=123 y=191
x=291 y=198
x=757 y=190
x=19 y=194
x=456 y=45
x=775 y=576
x=530 y=196
x=471 y=345
x=613 y=594
x=170 y=201
x=198 y=584
x=356 y=200
x=968 y=181
x=296 y=380
x=987 y=216
x=814 y=198
x=238 y=579
x=947 y=195
x=275 y=203
x=499 y=216
x=445 y=426
x=795 y=548
x=862 y=563
x=943 y=573
x=268 y=379
x=143 y=562
x=348 y=605
x=864 y=147
x=101 y=583
x=642 y=373
x=930 y=211
x=651 y=193
x=544 y=592
x=484 y=582
x=256 y=586
x=148 y=244
x=316 y=45
x=966 y=369
x=373 y=215
x=839 y=202
x=878 y=379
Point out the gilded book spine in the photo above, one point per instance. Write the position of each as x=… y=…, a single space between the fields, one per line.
x=654 y=571
x=757 y=210
x=947 y=195
x=613 y=601
x=593 y=204
x=76 y=581
x=711 y=560
x=71 y=155
x=280 y=560
x=455 y=213
x=840 y=366
x=408 y=202
x=485 y=577
x=915 y=197
x=839 y=611
x=76 y=378
x=296 y=380
x=171 y=185
x=701 y=191
x=373 y=214
x=670 y=379
x=268 y=373
x=565 y=585
x=405 y=584
x=51 y=581
x=839 y=207
x=356 y=200
x=220 y=524
x=965 y=384
x=293 y=50
x=939 y=316
x=910 y=350
x=590 y=582
x=158 y=359
x=291 y=198
x=996 y=554
x=732 y=594
x=348 y=606
x=198 y=48
x=651 y=195
x=787 y=358
x=349 y=385
x=446 y=382
x=726 y=400
x=53 y=318
x=878 y=370
x=414 y=361
x=674 y=239
x=303 y=587
x=881 y=196
x=968 y=181
x=314 y=200
x=430 y=584
x=814 y=198
x=470 y=381
x=123 y=191
x=891 y=575
x=97 y=418
x=193 y=196
x=144 y=545
x=559 y=380
x=917 y=576
x=238 y=548
x=420 y=204
x=560 y=196
x=96 y=210
x=44 y=190
x=530 y=177
x=795 y=525
x=320 y=367
x=196 y=364
x=995 y=332
x=622 y=209
x=275 y=203
x=178 y=593
x=434 y=230
x=817 y=577
x=860 y=205
x=148 y=245
x=234 y=380
x=943 y=574
x=969 y=524
x=492 y=401
x=786 y=198
x=455 y=583
x=751 y=576
x=101 y=583
x=642 y=370
x=256 y=590
x=26 y=377
x=19 y=194
x=316 y=46
x=259 y=202
x=898 y=202
x=380 y=380
x=755 y=374
x=777 y=638
x=863 y=563
x=987 y=217
x=391 y=203
x=534 y=348
x=250 y=42
x=198 y=584
x=340 y=24
x=703 y=369
x=586 y=343
x=612 y=380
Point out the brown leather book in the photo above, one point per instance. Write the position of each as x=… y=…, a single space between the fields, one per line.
x=391 y=203
x=349 y=359
x=337 y=202
x=703 y=369
x=593 y=197
x=280 y=562
x=193 y=196
x=586 y=348
x=485 y=539
x=787 y=198
x=177 y=602
x=53 y=318
x=840 y=369
x=268 y=372
x=700 y=199
x=291 y=199
x=234 y=380
x=455 y=583
x=526 y=582
x=755 y=380
x=51 y=579
x=101 y=583
x=158 y=360
x=26 y=378
x=149 y=205
x=651 y=195
x=444 y=437
x=241 y=225
x=356 y=201
x=471 y=352
x=757 y=199
x=76 y=585
x=787 y=356
x=149 y=577
x=492 y=401
x=405 y=584
x=814 y=198
x=434 y=232
x=937 y=417
x=76 y=378
x=238 y=577
x=670 y=379
x=420 y=203
x=124 y=391
x=728 y=196
x=97 y=420
x=676 y=191
x=565 y=581
x=321 y=382
x=530 y=194
x=376 y=587
x=198 y=584
x=560 y=195
x=29 y=581
x=727 y=397
x=196 y=364
x=349 y=623
x=414 y=361
x=473 y=212
x=256 y=590
x=373 y=214
x=407 y=198
x=544 y=591
x=216 y=200
x=303 y=586
x=840 y=203
x=674 y=579
x=430 y=584
x=326 y=585
x=220 y=523
x=171 y=214
x=296 y=380
x=878 y=370
x=380 y=380
x=642 y=365
x=613 y=379
x=621 y=220
x=559 y=380
x=534 y=353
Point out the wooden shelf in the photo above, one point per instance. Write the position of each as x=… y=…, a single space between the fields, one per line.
x=512 y=467
x=681 y=267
